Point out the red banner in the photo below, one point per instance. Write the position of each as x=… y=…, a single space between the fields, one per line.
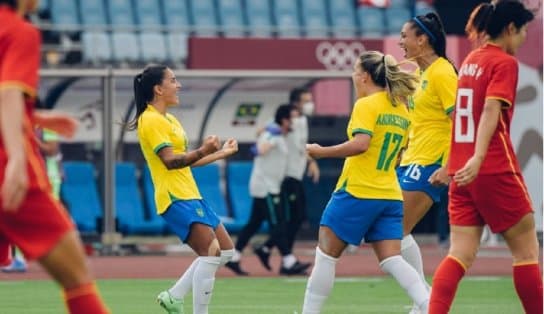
x=277 y=54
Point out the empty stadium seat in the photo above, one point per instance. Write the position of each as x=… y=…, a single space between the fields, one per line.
x=286 y=15
x=92 y=12
x=343 y=19
x=176 y=43
x=237 y=177
x=96 y=47
x=129 y=208
x=64 y=13
x=120 y=12
x=80 y=195
x=208 y=181
x=204 y=17
x=231 y=17
x=153 y=47
x=422 y=8
x=125 y=47
x=396 y=17
x=404 y=4
x=176 y=14
x=149 y=13
x=371 y=21
x=259 y=18
x=314 y=17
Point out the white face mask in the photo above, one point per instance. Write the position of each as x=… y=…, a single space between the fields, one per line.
x=308 y=108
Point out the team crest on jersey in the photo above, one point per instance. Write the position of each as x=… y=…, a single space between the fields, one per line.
x=411 y=103
x=200 y=212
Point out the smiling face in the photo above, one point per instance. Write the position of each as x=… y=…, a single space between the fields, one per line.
x=410 y=42
x=169 y=88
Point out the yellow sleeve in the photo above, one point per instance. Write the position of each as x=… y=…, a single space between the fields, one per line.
x=363 y=118
x=445 y=86
x=154 y=130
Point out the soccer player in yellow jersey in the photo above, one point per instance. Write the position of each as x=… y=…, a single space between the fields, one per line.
x=367 y=202
x=165 y=147
x=424 y=41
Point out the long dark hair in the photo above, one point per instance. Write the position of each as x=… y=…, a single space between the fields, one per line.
x=11 y=3
x=143 y=90
x=431 y=25
x=492 y=18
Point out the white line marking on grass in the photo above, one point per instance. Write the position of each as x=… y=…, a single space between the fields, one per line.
x=483 y=278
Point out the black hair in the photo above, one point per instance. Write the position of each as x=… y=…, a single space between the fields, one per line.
x=283 y=112
x=10 y=3
x=492 y=18
x=295 y=94
x=143 y=90
x=431 y=25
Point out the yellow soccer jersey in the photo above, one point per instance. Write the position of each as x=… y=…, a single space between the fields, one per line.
x=372 y=175
x=156 y=131
x=434 y=99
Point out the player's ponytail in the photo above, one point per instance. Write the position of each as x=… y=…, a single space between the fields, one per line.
x=385 y=72
x=144 y=84
x=490 y=19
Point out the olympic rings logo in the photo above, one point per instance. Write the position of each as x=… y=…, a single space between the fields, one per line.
x=338 y=56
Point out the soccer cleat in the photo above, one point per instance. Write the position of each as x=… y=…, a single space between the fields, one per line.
x=235 y=267
x=169 y=303
x=16 y=266
x=297 y=269
x=264 y=257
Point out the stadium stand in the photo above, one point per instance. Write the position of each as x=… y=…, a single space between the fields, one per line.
x=315 y=18
x=177 y=14
x=343 y=18
x=287 y=17
x=396 y=17
x=371 y=21
x=153 y=47
x=92 y=13
x=64 y=13
x=80 y=195
x=148 y=13
x=231 y=17
x=204 y=18
x=128 y=203
x=125 y=47
x=259 y=18
x=96 y=47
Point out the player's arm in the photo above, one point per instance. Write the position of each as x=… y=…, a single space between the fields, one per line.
x=15 y=184
x=313 y=169
x=357 y=145
x=59 y=122
x=486 y=128
x=230 y=147
x=177 y=161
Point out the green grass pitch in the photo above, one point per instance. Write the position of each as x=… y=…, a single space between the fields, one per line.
x=264 y=296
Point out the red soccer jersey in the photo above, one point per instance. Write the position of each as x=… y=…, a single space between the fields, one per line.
x=19 y=64
x=486 y=73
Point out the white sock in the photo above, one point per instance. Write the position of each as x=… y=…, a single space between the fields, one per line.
x=185 y=282
x=226 y=256
x=408 y=279
x=320 y=283
x=203 y=281
x=412 y=254
x=288 y=260
x=236 y=256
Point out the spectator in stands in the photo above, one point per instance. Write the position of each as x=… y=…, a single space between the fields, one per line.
x=422 y=175
x=269 y=170
x=488 y=187
x=292 y=188
x=30 y=217
x=367 y=201
x=164 y=145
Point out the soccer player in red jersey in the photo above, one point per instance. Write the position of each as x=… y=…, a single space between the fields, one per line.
x=487 y=185
x=30 y=217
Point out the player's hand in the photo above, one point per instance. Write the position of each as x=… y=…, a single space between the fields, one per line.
x=313 y=150
x=211 y=145
x=230 y=147
x=15 y=184
x=62 y=123
x=468 y=173
x=313 y=171
x=440 y=177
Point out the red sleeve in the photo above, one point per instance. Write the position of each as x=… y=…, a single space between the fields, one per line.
x=20 y=64
x=503 y=81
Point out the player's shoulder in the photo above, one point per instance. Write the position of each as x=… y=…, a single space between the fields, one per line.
x=442 y=68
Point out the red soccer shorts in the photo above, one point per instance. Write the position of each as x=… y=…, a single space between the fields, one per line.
x=36 y=227
x=497 y=200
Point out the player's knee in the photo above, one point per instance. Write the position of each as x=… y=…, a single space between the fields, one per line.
x=465 y=257
x=213 y=248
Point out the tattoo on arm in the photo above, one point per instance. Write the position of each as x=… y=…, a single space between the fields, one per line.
x=183 y=160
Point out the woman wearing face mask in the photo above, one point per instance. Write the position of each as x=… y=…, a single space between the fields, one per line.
x=367 y=202
x=487 y=186
x=422 y=165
